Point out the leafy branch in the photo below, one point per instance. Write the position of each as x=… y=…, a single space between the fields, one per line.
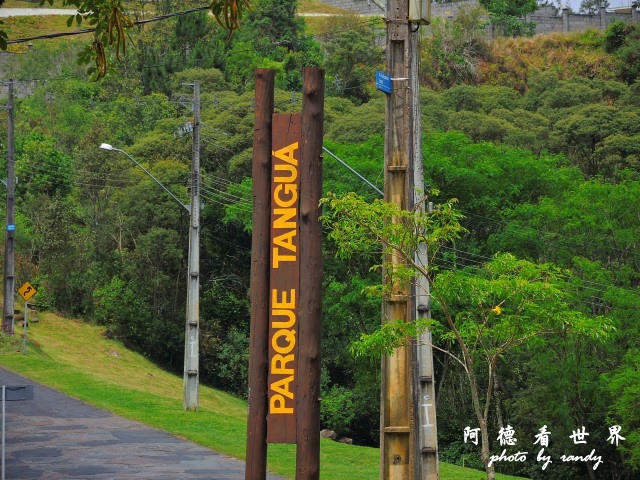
x=110 y=21
x=488 y=310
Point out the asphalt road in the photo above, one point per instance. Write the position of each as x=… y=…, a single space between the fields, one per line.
x=55 y=437
x=26 y=12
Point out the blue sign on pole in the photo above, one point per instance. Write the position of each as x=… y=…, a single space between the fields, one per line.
x=383 y=82
x=11 y=228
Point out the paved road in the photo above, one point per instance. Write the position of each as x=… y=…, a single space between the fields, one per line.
x=55 y=437
x=27 y=12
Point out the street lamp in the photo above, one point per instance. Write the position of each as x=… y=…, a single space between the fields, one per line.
x=110 y=148
x=191 y=347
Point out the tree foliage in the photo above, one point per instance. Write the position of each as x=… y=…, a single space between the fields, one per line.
x=488 y=311
x=508 y=14
x=542 y=158
x=110 y=21
x=590 y=7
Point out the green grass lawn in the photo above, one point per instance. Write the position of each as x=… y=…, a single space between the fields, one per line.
x=77 y=359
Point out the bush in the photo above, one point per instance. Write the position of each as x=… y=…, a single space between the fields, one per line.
x=616 y=35
x=336 y=409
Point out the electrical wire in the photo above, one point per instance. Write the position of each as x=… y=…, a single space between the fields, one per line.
x=91 y=30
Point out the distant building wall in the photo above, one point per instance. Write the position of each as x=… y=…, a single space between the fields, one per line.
x=548 y=19
x=362 y=7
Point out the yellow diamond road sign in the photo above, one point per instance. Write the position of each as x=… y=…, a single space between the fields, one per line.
x=26 y=291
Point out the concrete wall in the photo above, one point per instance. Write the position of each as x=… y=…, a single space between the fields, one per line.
x=362 y=7
x=547 y=19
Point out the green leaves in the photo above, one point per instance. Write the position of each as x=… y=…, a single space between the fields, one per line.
x=509 y=13
x=533 y=300
x=3 y=37
x=359 y=227
x=624 y=387
x=390 y=336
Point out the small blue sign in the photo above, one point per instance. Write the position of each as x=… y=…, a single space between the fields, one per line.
x=383 y=82
x=11 y=228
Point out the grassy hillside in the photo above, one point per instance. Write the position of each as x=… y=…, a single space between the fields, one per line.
x=76 y=358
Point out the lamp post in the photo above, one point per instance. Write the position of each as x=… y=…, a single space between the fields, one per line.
x=191 y=351
x=9 y=245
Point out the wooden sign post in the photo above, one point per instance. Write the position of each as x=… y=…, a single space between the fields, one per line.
x=286 y=279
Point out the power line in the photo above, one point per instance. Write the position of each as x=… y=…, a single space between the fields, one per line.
x=91 y=30
x=352 y=170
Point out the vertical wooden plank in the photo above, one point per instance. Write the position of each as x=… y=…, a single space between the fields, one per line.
x=285 y=279
x=308 y=453
x=256 y=467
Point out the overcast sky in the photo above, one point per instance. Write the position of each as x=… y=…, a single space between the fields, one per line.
x=575 y=4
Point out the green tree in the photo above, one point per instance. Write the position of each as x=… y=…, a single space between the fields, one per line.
x=590 y=7
x=623 y=40
x=353 y=124
x=480 y=127
x=624 y=385
x=453 y=52
x=274 y=25
x=508 y=15
x=351 y=57
x=488 y=311
x=583 y=132
x=42 y=169
x=110 y=21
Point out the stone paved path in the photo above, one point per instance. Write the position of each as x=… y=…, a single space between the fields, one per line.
x=55 y=437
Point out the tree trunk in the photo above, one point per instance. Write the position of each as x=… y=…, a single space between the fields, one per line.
x=443 y=376
x=482 y=421
x=497 y=388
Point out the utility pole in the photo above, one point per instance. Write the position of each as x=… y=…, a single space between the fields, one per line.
x=192 y=328
x=191 y=352
x=397 y=423
x=408 y=441
x=9 y=246
x=423 y=373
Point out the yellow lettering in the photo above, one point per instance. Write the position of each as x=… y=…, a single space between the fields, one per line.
x=290 y=191
x=279 y=365
x=293 y=173
x=283 y=302
x=286 y=240
x=277 y=258
x=285 y=313
x=289 y=337
x=286 y=154
x=276 y=405
x=283 y=386
x=284 y=220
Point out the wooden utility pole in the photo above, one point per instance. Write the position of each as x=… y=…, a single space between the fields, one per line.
x=397 y=429
x=310 y=303
x=256 y=468
x=191 y=378
x=408 y=441
x=10 y=227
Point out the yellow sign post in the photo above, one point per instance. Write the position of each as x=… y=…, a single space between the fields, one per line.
x=26 y=291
